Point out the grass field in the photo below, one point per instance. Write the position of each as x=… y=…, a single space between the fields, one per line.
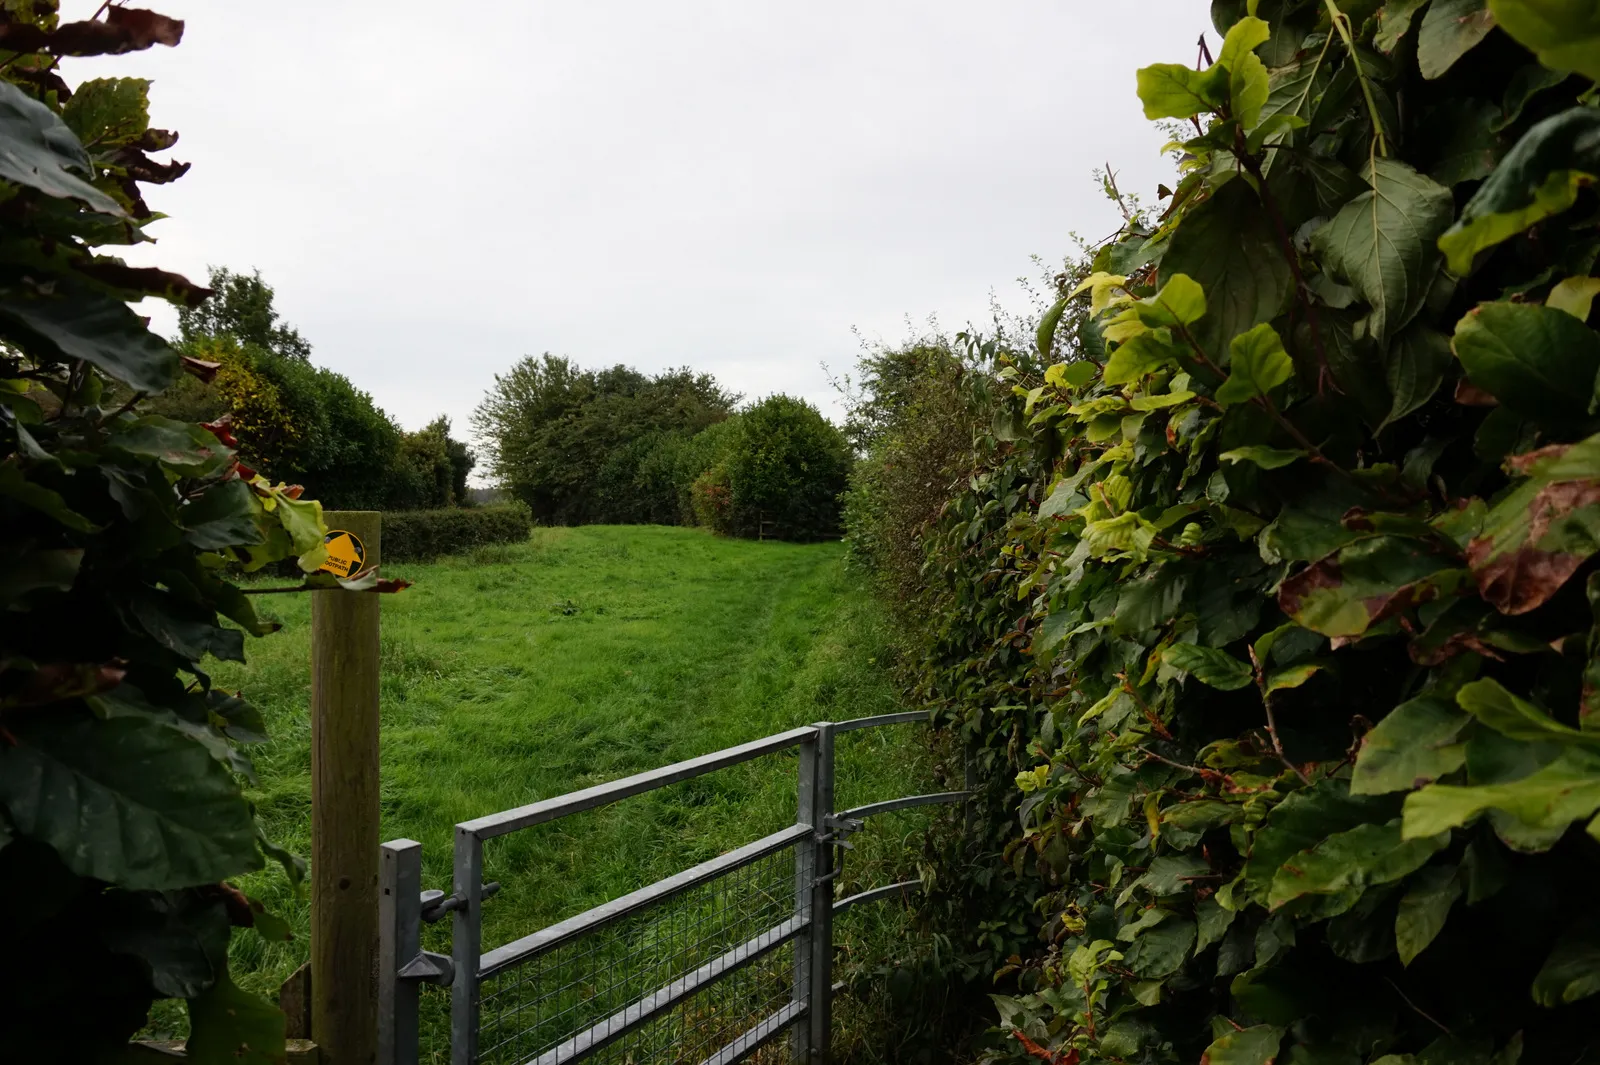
x=522 y=672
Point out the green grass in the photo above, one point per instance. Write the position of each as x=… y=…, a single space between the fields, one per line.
x=522 y=672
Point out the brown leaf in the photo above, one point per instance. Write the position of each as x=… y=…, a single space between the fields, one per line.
x=1521 y=580
x=148 y=279
x=1470 y=395
x=206 y=371
x=124 y=30
x=140 y=167
x=157 y=140
x=59 y=681
x=1318 y=575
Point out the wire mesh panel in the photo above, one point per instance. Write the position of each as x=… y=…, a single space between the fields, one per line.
x=709 y=948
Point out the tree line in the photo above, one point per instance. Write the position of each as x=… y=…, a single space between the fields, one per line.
x=619 y=446
x=300 y=422
x=577 y=446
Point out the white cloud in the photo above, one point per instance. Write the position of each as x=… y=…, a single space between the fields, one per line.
x=436 y=191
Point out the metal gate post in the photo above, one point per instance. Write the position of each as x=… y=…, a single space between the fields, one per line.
x=805 y=854
x=399 y=940
x=465 y=947
x=819 y=1005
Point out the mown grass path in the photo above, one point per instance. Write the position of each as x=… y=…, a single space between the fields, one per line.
x=584 y=655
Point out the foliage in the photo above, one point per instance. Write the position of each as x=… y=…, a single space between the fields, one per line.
x=297 y=421
x=1268 y=600
x=582 y=446
x=241 y=307
x=785 y=466
x=122 y=814
x=418 y=535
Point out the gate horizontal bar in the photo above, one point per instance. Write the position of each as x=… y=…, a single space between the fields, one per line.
x=630 y=1017
x=605 y=794
x=903 y=804
x=881 y=719
x=887 y=891
x=757 y=1037
x=549 y=938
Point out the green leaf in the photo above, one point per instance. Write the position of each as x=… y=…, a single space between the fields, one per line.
x=1213 y=920
x=1564 y=34
x=1227 y=245
x=76 y=322
x=1450 y=29
x=39 y=151
x=1470 y=147
x=1362 y=856
x=1248 y=1046
x=108 y=112
x=1292 y=676
x=1414 y=745
x=1528 y=82
x=126 y=801
x=1424 y=909
x=1172 y=90
x=1161 y=950
x=1181 y=301
x=1268 y=458
x=1171 y=874
x=1538 y=361
x=27 y=571
x=182 y=447
x=1382 y=243
x=1489 y=702
x=1209 y=665
x=15 y=485
x=181 y=937
x=1046 y=334
x=222 y=516
x=1259 y=365
x=1247 y=74
x=1574 y=295
x=230 y=1026
x=1139 y=356
x=1394 y=19
x=1538 y=178
x=1417 y=362
x=1367 y=581
x=1572 y=972
x=1550 y=798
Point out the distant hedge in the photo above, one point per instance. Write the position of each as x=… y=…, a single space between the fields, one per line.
x=417 y=535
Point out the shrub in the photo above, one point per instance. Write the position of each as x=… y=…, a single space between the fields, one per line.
x=1269 y=604
x=418 y=535
x=786 y=465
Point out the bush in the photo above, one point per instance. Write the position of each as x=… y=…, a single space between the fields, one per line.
x=418 y=535
x=1270 y=603
x=786 y=465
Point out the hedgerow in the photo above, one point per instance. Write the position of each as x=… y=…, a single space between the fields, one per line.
x=122 y=814
x=1268 y=595
x=418 y=535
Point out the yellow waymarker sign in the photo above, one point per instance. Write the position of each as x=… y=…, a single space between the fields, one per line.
x=345 y=553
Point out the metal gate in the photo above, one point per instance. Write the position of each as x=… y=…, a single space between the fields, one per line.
x=705 y=966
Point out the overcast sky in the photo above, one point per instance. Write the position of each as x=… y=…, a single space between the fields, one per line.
x=436 y=190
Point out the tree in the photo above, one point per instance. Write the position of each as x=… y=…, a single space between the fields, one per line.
x=786 y=465
x=572 y=443
x=241 y=307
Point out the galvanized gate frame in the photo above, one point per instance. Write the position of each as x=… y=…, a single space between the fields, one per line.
x=815 y=837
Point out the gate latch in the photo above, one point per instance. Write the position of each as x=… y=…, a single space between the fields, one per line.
x=838 y=829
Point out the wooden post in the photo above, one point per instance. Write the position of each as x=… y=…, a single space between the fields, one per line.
x=344 y=811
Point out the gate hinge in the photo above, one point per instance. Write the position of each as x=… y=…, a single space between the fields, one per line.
x=435 y=903
x=428 y=968
x=837 y=829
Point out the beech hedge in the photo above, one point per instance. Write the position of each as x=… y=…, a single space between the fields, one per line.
x=418 y=535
